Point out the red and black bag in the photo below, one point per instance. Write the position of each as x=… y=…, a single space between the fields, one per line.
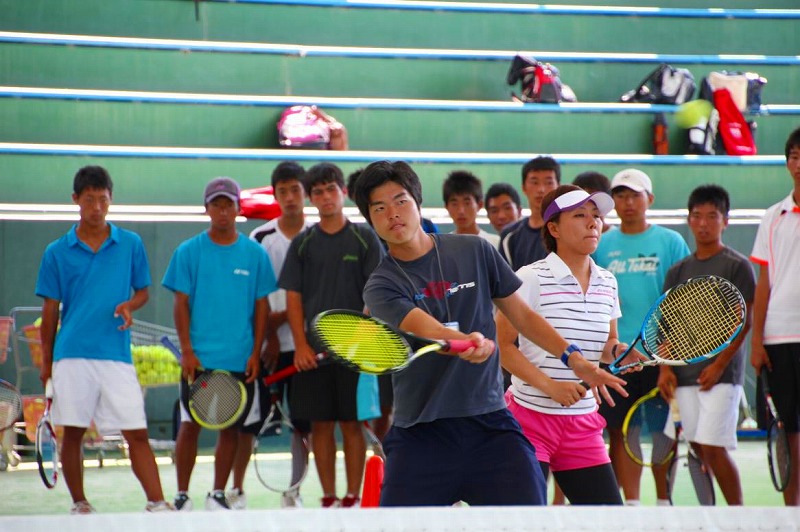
x=540 y=82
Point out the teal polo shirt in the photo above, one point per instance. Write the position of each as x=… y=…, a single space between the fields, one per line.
x=89 y=286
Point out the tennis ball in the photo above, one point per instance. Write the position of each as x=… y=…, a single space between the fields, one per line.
x=692 y=112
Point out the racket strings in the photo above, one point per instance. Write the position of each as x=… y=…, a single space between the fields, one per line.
x=695 y=319
x=216 y=398
x=366 y=344
x=10 y=406
x=779 y=457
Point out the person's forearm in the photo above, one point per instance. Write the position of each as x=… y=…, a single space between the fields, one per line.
x=759 y=307
x=296 y=317
x=139 y=299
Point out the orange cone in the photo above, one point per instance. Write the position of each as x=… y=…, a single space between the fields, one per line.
x=373 y=482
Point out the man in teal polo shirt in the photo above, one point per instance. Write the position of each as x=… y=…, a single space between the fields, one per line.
x=98 y=275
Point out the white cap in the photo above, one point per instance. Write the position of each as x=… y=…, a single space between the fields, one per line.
x=633 y=179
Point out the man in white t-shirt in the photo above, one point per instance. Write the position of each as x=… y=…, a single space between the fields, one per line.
x=275 y=237
x=462 y=193
x=775 y=339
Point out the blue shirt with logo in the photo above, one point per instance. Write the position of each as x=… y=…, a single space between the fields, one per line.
x=223 y=283
x=89 y=286
x=640 y=263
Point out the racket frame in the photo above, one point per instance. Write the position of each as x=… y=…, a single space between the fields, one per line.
x=776 y=433
x=269 y=423
x=13 y=407
x=188 y=394
x=626 y=424
x=655 y=359
x=415 y=346
x=45 y=427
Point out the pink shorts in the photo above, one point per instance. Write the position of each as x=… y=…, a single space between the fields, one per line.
x=564 y=442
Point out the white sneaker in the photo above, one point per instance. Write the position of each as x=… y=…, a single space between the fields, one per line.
x=82 y=507
x=237 y=500
x=182 y=502
x=291 y=499
x=159 y=506
x=216 y=501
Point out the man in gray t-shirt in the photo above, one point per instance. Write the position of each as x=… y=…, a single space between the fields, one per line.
x=708 y=393
x=453 y=437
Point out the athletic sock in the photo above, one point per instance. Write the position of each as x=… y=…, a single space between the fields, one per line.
x=632 y=502
x=663 y=502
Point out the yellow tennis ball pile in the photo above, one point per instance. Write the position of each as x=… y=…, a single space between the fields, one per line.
x=692 y=113
x=155 y=364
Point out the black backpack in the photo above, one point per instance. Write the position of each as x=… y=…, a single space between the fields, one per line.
x=664 y=85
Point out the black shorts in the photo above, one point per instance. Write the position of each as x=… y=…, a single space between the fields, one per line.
x=784 y=382
x=639 y=383
x=280 y=390
x=329 y=393
x=386 y=391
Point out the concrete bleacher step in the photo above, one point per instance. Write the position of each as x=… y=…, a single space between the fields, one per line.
x=153 y=175
x=136 y=64
x=397 y=27
x=548 y=129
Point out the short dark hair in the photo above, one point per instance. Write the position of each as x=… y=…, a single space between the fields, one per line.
x=592 y=181
x=322 y=174
x=498 y=189
x=713 y=194
x=287 y=171
x=462 y=182
x=352 y=179
x=793 y=141
x=381 y=172
x=92 y=177
x=550 y=243
x=541 y=163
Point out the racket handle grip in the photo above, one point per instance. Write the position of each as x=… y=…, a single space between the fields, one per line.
x=459 y=346
x=48 y=389
x=287 y=372
x=166 y=342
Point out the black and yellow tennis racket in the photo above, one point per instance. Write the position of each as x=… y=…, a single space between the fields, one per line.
x=370 y=345
x=689 y=323
x=216 y=399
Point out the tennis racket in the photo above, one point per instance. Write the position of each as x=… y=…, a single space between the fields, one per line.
x=689 y=323
x=10 y=405
x=46 y=444
x=370 y=345
x=647 y=434
x=275 y=472
x=778 y=454
x=216 y=399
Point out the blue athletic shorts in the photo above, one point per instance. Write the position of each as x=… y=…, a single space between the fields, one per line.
x=481 y=460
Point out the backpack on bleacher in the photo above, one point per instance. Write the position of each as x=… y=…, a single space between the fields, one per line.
x=540 y=82
x=300 y=127
x=745 y=88
x=727 y=131
x=664 y=85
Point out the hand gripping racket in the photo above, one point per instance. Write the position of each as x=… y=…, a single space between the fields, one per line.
x=689 y=323
x=216 y=399
x=370 y=345
x=778 y=453
x=10 y=405
x=46 y=444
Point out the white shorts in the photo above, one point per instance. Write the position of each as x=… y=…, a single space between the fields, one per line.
x=252 y=416
x=710 y=418
x=105 y=391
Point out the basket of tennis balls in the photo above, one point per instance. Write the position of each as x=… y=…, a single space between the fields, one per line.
x=155 y=364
